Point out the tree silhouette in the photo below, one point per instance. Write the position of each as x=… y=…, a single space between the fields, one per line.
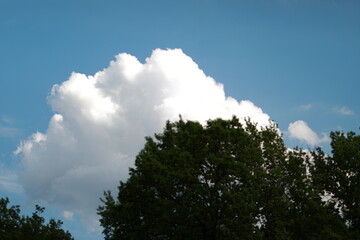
x=13 y=226
x=226 y=180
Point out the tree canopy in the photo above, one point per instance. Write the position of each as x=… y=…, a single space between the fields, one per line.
x=228 y=180
x=14 y=226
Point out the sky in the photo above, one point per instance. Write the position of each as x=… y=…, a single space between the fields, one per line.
x=83 y=82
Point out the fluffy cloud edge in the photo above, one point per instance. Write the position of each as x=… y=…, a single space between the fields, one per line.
x=301 y=131
x=100 y=122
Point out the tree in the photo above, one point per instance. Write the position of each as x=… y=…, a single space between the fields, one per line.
x=13 y=226
x=339 y=176
x=189 y=184
x=291 y=207
x=224 y=180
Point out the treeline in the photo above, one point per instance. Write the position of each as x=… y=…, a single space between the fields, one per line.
x=222 y=181
x=228 y=180
x=14 y=226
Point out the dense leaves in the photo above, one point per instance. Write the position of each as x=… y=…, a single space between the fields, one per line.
x=339 y=177
x=13 y=226
x=226 y=180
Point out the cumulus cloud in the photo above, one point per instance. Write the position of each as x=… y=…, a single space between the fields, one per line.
x=343 y=111
x=100 y=122
x=301 y=131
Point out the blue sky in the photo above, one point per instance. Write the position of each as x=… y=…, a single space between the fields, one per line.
x=295 y=60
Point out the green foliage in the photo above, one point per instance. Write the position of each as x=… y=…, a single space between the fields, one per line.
x=13 y=226
x=339 y=176
x=226 y=180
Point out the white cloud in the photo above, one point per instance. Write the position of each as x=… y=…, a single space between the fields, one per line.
x=26 y=146
x=100 y=123
x=301 y=131
x=344 y=111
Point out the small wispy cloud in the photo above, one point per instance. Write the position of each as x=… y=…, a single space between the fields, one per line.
x=9 y=181
x=306 y=107
x=8 y=132
x=68 y=215
x=344 y=111
x=6 y=119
